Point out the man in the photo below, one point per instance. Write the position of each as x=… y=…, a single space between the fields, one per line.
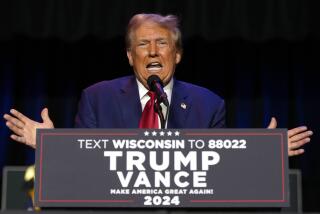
x=153 y=48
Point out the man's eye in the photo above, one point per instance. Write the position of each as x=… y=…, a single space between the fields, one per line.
x=163 y=42
x=142 y=44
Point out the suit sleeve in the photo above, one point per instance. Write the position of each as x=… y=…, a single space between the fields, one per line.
x=219 y=117
x=85 y=117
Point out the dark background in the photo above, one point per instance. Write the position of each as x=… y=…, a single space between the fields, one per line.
x=261 y=56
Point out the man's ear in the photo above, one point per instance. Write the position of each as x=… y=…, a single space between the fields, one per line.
x=178 y=57
x=129 y=57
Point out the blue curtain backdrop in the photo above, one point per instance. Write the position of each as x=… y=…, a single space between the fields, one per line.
x=262 y=57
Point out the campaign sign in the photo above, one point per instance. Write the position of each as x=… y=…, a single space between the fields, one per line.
x=161 y=168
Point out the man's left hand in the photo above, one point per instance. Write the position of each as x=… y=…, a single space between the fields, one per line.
x=297 y=137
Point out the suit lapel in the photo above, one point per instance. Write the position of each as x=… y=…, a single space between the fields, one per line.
x=180 y=106
x=129 y=103
x=131 y=107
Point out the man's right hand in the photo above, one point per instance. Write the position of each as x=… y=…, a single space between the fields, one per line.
x=24 y=128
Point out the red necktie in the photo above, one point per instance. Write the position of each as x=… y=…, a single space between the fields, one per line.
x=149 y=118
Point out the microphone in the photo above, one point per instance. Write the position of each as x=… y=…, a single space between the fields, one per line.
x=155 y=84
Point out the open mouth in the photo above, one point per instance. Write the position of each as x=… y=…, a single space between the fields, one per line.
x=154 y=66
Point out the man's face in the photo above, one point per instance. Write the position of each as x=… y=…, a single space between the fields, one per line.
x=153 y=52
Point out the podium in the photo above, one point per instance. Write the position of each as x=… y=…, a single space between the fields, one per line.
x=225 y=164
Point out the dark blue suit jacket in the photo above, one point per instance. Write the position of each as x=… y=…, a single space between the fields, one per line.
x=116 y=104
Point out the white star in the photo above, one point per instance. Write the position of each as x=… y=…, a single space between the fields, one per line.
x=146 y=133
x=176 y=133
x=154 y=133
x=169 y=133
x=162 y=133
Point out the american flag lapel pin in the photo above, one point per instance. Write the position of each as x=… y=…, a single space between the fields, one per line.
x=183 y=105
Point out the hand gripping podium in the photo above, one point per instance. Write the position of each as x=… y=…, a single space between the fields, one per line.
x=171 y=168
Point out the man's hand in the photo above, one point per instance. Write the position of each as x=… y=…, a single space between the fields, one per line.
x=24 y=128
x=297 y=137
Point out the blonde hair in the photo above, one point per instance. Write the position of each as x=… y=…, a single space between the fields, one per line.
x=169 y=22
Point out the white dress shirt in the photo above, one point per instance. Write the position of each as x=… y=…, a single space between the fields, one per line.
x=144 y=97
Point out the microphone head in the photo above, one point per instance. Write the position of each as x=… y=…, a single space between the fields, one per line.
x=151 y=79
x=153 y=83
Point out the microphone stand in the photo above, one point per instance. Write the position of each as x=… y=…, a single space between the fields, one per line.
x=158 y=109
